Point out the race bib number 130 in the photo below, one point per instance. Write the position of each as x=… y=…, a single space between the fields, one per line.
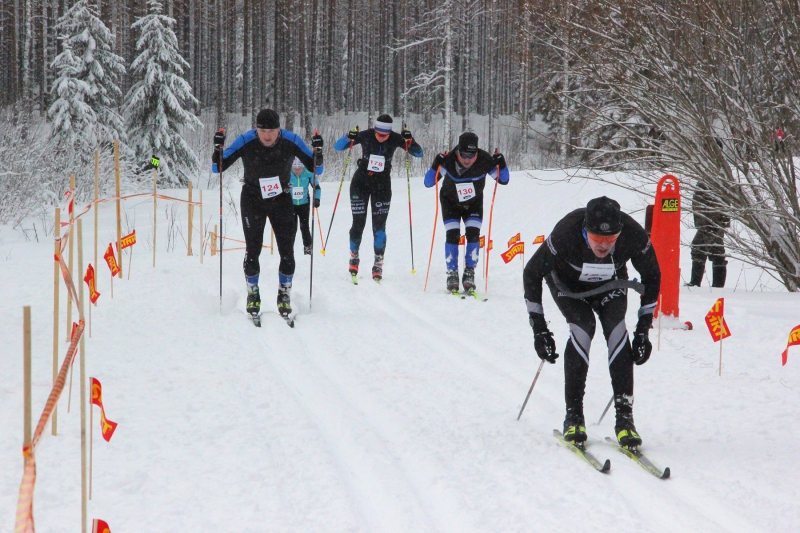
x=465 y=191
x=270 y=187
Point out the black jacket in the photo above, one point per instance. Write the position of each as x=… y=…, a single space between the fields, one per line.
x=566 y=251
x=452 y=173
x=371 y=146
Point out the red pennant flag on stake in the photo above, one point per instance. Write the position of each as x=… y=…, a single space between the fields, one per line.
x=100 y=526
x=538 y=240
x=794 y=340
x=512 y=240
x=111 y=261
x=717 y=327
x=517 y=248
x=106 y=426
x=462 y=240
x=91 y=282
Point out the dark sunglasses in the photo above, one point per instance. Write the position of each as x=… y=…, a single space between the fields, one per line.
x=467 y=155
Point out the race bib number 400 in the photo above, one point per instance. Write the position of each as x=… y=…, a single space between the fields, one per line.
x=270 y=187
x=298 y=193
x=376 y=163
x=594 y=272
x=465 y=191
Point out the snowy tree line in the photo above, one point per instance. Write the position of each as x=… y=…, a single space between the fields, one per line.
x=699 y=88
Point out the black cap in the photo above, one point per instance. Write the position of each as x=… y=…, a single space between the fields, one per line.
x=268 y=119
x=603 y=216
x=468 y=143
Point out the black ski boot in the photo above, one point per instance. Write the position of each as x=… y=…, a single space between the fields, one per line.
x=574 y=427
x=452 y=280
x=698 y=269
x=627 y=435
x=377 y=268
x=353 y=268
x=253 y=300
x=307 y=250
x=468 y=279
x=284 y=300
x=719 y=271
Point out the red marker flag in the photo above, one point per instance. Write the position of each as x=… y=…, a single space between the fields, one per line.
x=106 y=426
x=462 y=240
x=539 y=239
x=482 y=242
x=111 y=261
x=100 y=526
x=517 y=248
x=92 y=283
x=128 y=240
x=715 y=320
x=512 y=240
x=794 y=340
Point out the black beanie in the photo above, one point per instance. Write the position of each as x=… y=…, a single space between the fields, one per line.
x=468 y=143
x=268 y=119
x=603 y=216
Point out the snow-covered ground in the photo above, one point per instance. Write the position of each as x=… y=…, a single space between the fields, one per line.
x=390 y=409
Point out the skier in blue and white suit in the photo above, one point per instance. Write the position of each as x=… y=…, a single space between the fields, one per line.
x=302 y=179
x=267 y=153
x=464 y=172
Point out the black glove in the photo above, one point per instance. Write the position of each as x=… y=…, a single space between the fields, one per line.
x=543 y=341
x=499 y=160
x=316 y=202
x=406 y=134
x=318 y=159
x=641 y=347
x=316 y=141
x=437 y=161
x=352 y=134
x=219 y=138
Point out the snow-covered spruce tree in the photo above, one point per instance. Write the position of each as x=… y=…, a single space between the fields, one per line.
x=157 y=100
x=84 y=113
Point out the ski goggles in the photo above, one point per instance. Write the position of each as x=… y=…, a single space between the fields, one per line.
x=603 y=239
x=381 y=136
x=467 y=155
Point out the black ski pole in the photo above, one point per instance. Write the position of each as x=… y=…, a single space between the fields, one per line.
x=346 y=164
x=607 y=408
x=313 y=219
x=221 y=158
x=531 y=389
x=410 y=224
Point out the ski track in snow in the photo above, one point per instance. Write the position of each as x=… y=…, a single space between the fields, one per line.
x=390 y=409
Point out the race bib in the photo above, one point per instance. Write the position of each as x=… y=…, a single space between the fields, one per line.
x=270 y=187
x=465 y=191
x=298 y=193
x=376 y=163
x=595 y=272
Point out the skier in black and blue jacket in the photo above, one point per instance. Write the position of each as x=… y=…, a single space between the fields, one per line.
x=302 y=179
x=464 y=172
x=372 y=184
x=267 y=153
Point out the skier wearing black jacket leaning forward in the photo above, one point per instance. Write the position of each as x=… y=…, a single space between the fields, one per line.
x=587 y=252
x=463 y=172
x=372 y=184
x=267 y=153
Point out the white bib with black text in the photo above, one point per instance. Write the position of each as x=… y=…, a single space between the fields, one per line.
x=270 y=187
x=595 y=272
x=465 y=191
x=298 y=193
x=376 y=163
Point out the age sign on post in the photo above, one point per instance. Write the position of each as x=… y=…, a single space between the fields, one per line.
x=666 y=239
x=466 y=191
x=270 y=187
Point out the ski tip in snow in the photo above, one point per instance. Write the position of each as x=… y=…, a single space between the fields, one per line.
x=256 y=319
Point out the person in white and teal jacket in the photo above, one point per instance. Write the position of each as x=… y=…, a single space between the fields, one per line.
x=301 y=179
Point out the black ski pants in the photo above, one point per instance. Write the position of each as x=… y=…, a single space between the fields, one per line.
x=255 y=212
x=610 y=308
x=302 y=212
x=375 y=191
x=709 y=243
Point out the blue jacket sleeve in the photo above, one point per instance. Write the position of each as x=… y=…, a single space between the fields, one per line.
x=504 y=175
x=232 y=153
x=430 y=177
x=342 y=144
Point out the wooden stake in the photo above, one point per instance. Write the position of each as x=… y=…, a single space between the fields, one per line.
x=71 y=237
x=720 y=355
x=26 y=375
x=155 y=211
x=56 y=294
x=84 y=480
x=190 y=212
x=271 y=239
x=96 y=207
x=119 y=216
x=214 y=241
x=91 y=440
x=202 y=235
x=130 y=261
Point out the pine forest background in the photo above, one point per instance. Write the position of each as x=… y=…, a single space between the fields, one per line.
x=697 y=88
